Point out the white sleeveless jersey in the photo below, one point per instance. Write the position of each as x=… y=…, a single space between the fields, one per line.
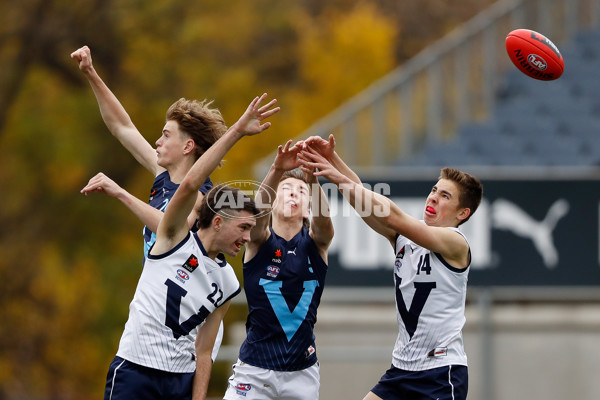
x=176 y=292
x=430 y=306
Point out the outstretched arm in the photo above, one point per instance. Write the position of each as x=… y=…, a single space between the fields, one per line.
x=385 y=217
x=285 y=160
x=114 y=115
x=352 y=191
x=173 y=226
x=327 y=149
x=321 y=227
x=147 y=214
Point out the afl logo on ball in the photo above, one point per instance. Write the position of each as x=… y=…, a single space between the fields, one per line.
x=537 y=62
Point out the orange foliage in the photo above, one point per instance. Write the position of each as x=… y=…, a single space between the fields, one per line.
x=69 y=264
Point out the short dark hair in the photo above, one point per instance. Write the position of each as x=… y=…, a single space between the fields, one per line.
x=471 y=189
x=224 y=198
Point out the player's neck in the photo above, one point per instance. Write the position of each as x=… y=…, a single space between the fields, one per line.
x=211 y=250
x=208 y=239
x=178 y=171
x=286 y=228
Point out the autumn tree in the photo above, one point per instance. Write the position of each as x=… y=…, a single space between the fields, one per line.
x=69 y=264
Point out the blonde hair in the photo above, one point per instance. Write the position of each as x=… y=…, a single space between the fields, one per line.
x=203 y=124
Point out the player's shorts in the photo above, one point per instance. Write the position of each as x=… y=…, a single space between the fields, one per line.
x=443 y=383
x=253 y=383
x=129 y=381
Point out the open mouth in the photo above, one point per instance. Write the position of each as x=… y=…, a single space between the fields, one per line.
x=239 y=245
x=430 y=210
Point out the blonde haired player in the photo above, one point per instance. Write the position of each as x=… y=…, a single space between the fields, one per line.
x=285 y=266
x=191 y=127
x=186 y=284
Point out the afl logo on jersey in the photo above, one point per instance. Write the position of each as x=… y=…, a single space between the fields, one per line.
x=243 y=388
x=182 y=276
x=273 y=271
x=398 y=264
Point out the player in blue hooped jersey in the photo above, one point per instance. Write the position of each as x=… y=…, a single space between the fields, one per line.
x=186 y=285
x=284 y=269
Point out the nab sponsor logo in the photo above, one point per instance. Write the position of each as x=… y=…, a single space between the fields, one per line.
x=243 y=388
x=182 y=276
x=546 y=41
x=399 y=257
x=400 y=254
x=537 y=62
x=277 y=258
x=273 y=271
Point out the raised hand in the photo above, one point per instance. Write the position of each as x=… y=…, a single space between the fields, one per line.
x=321 y=146
x=250 y=122
x=102 y=183
x=313 y=163
x=83 y=56
x=287 y=156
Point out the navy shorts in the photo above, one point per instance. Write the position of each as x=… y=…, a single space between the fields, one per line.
x=129 y=381
x=443 y=383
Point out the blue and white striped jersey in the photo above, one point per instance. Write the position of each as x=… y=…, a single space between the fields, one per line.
x=430 y=305
x=176 y=292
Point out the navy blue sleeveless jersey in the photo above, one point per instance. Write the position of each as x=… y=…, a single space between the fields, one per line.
x=283 y=285
x=161 y=193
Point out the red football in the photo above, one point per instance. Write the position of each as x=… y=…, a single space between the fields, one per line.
x=534 y=54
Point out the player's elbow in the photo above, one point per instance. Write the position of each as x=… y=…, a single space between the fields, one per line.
x=188 y=186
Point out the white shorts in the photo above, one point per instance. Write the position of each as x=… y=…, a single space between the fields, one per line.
x=254 y=383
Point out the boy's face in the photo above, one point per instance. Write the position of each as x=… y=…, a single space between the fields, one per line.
x=170 y=145
x=442 y=206
x=293 y=198
x=234 y=231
